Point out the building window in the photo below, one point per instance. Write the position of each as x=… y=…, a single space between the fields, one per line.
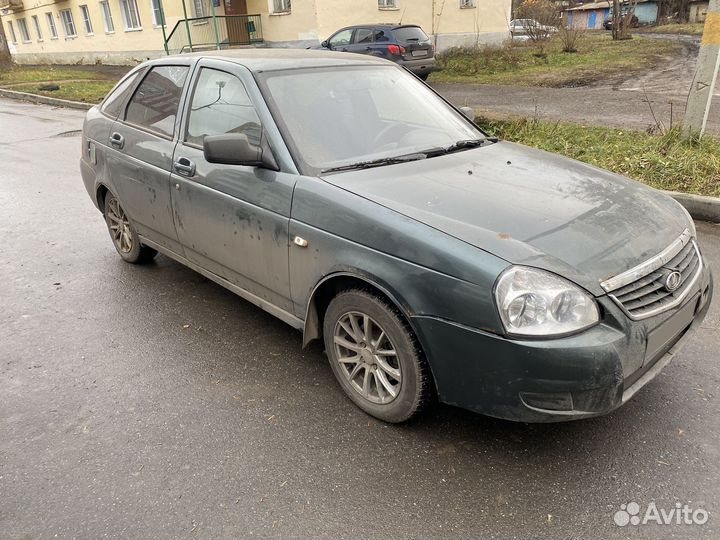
x=13 y=37
x=199 y=8
x=51 y=25
x=24 y=33
x=68 y=23
x=107 y=17
x=131 y=16
x=158 y=15
x=36 y=23
x=280 y=6
x=464 y=4
x=85 y=12
x=388 y=4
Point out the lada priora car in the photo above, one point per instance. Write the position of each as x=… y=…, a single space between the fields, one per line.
x=344 y=196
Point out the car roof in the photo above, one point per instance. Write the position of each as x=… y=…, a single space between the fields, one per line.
x=392 y=26
x=257 y=60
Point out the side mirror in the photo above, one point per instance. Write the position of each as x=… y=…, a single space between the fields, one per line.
x=469 y=112
x=325 y=44
x=236 y=149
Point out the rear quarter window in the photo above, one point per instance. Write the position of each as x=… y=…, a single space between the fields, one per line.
x=113 y=103
x=155 y=103
x=409 y=33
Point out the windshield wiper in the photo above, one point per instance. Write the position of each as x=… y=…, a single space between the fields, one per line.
x=459 y=145
x=377 y=162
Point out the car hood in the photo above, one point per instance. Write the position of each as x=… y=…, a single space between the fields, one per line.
x=529 y=207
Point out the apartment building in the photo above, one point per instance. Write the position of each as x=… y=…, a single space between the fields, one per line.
x=129 y=31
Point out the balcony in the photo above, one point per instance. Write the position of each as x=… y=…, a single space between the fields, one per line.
x=220 y=32
x=12 y=5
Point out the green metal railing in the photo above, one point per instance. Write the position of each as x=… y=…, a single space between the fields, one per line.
x=213 y=32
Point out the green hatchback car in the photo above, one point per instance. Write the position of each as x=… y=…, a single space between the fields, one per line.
x=344 y=196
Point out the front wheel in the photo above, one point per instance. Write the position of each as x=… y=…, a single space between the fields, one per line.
x=123 y=234
x=375 y=356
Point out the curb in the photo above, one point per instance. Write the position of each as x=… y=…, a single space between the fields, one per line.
x=700 y=207
x=34 y=98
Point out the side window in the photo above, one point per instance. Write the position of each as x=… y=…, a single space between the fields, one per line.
x=155 y=103
x=341 y=38
x=113 y=103
x=363 y=35
x=380 y=35
x=221 y=105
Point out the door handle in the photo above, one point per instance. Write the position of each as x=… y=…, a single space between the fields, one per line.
x=117 y=140
x=368 y=48
x=184 y=167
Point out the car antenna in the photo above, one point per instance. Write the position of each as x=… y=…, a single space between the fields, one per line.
x=402 y=15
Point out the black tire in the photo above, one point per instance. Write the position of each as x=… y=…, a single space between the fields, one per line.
x=126 y=240
x=414 y=389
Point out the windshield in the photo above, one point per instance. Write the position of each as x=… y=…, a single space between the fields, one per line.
x=339 y=116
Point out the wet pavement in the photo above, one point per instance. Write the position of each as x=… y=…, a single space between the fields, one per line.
x=146 y=401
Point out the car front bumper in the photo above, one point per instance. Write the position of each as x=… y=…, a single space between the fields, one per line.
x=580 y=376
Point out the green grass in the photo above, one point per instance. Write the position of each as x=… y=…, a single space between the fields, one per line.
x=598 y=58
x=695 y=29
x=21 y=74
x=666 y=161
x=85 y=91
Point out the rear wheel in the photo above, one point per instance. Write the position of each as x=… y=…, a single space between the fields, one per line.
x=375 y=356
x=123 y=234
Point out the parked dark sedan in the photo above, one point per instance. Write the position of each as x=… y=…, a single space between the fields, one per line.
x=407 y=45
x=347 y=198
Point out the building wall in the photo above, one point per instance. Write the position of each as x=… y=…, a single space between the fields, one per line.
x=647 y=13
x=698 y=12
x=118 y=47
x=309 y=22
x=590 y=19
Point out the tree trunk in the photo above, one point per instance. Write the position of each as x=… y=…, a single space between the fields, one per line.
x=616 y=18
x=5 y=58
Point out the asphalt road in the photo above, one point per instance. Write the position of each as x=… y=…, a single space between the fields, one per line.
x=147 y=402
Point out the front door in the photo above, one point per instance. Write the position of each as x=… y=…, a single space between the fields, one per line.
x=140 y=153
x=237 y=28
x=231 y=219
x=592 y=20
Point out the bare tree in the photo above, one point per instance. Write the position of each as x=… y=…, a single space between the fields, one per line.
x=5 y=57
x=622 y=19
x=569 y=36
x=437 y=9
x=541 y=18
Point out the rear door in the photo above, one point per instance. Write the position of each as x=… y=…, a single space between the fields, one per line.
x=415 y=41
x=141 y=145
x=362 y=41
x=232 y=219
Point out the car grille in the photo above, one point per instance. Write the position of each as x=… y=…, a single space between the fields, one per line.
x=648 y=289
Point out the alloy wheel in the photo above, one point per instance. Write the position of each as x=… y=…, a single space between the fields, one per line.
x=119 y=227
x=367 y=357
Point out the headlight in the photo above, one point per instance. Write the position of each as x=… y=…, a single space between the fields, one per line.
x=691 y=223
x=537 y=303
